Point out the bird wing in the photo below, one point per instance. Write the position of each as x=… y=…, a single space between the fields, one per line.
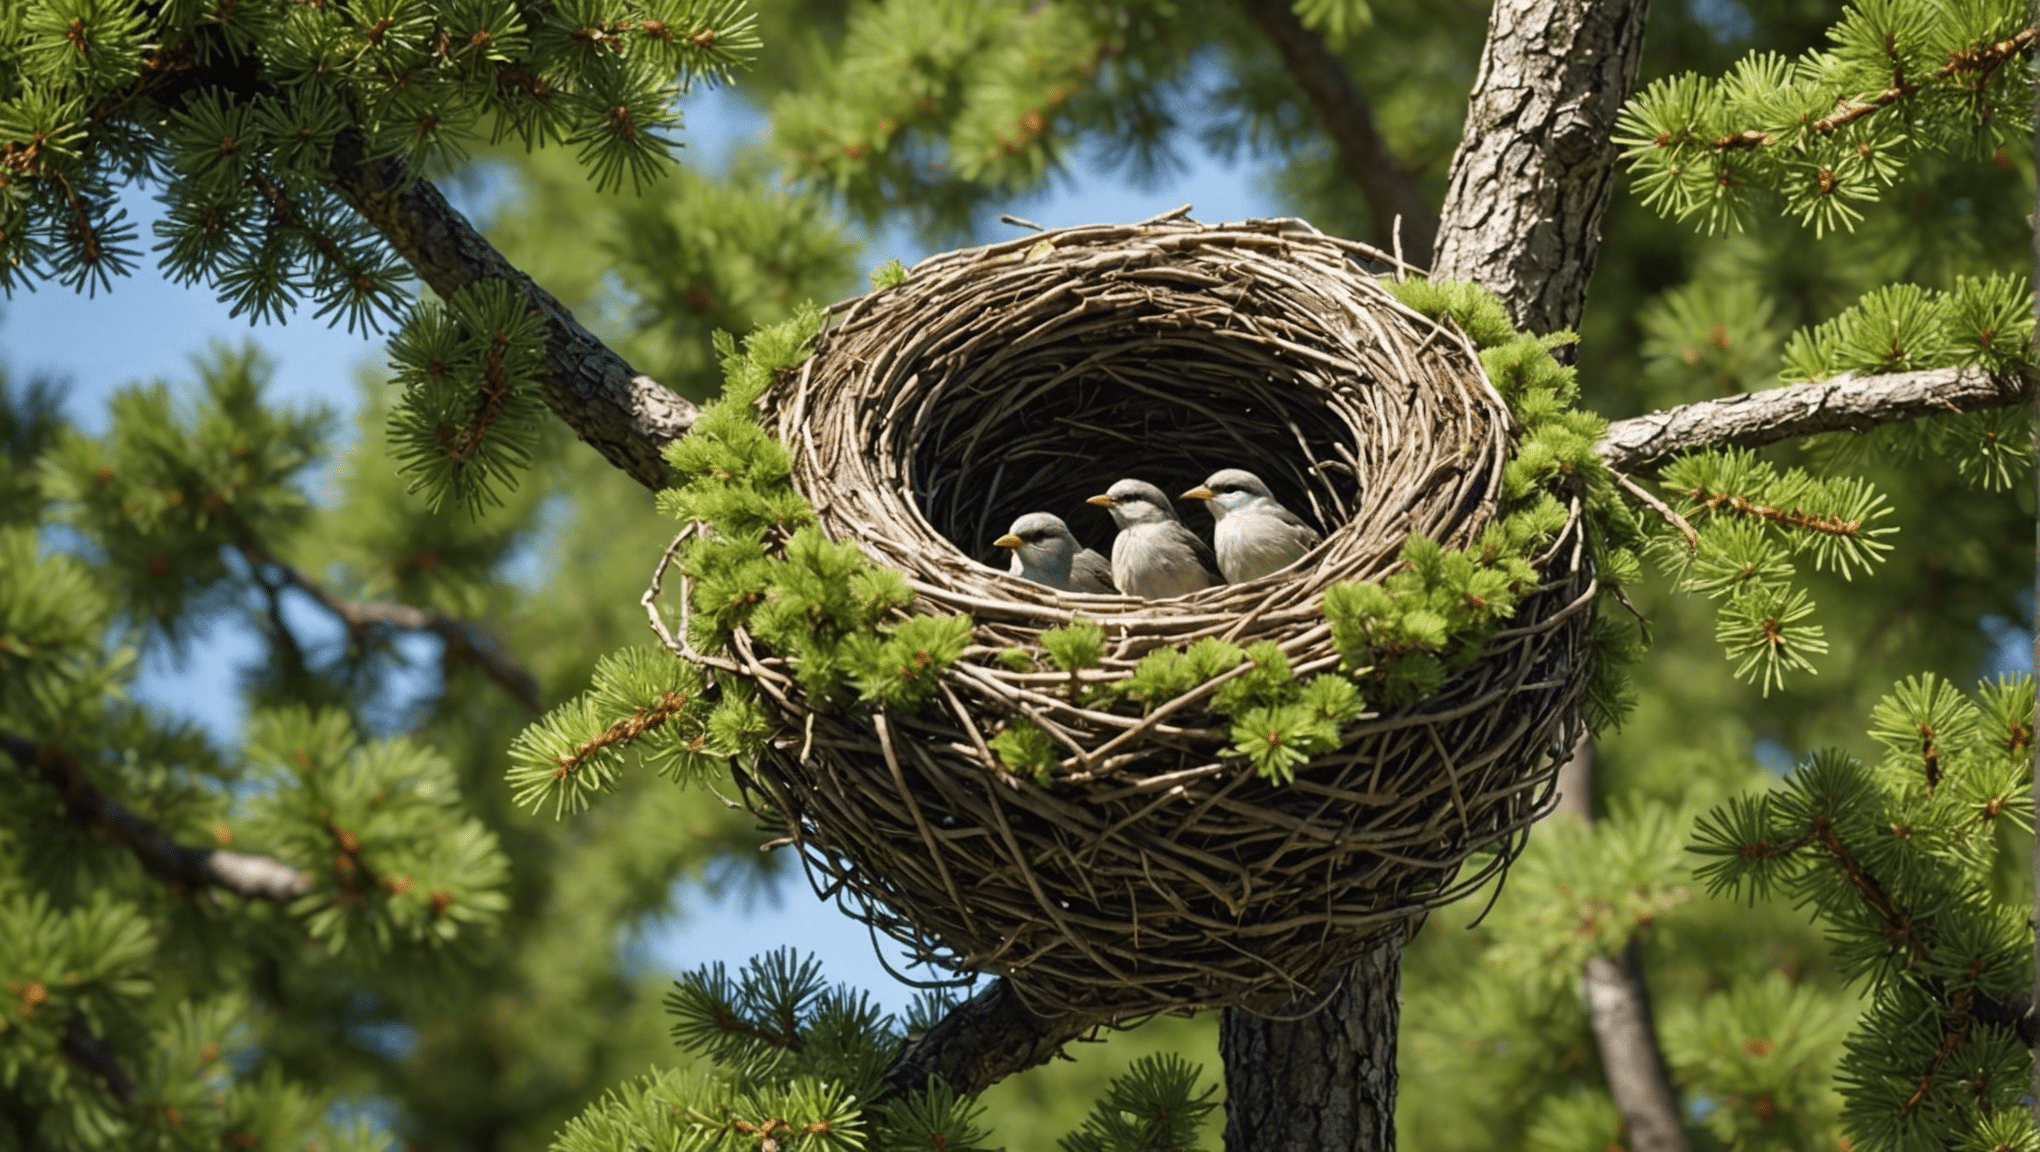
x=1090 y=572
x=1292 y=519
x=1198 y=548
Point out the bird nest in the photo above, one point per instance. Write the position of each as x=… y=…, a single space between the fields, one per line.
x=1153 y=870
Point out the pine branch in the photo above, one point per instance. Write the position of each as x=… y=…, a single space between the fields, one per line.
x=1844 y=404
x=463 y=640
x=627 y=416
x=982 y=1041
x=89 y=1052
x=1347 y=117
x=1983 y=62
x=255 y=877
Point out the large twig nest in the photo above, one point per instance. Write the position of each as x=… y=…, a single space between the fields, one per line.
x=1156 y=871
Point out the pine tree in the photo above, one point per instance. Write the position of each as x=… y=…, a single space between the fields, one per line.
x=199 y=943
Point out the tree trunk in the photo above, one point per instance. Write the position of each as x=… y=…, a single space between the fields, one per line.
x=1536 y=165
x=1323 y=1081
x=1522 y=217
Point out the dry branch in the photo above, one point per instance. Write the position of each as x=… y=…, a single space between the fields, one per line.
x=464 y=641
x=1847 y=403
x=255 y=877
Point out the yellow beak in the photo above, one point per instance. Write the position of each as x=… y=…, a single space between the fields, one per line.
x=1100 y=501
x=1198 y=493
x=1007 y=541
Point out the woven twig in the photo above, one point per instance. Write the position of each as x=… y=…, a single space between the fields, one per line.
x=1155 y=874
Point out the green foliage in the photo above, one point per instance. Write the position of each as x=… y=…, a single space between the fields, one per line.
x=1821 y=137
x=1752 y=517
x=1154 y=1105
x=470 y=414
x=939 y=107
x=1026 y=750
x=1466 y=306
x=246 y=149
x=1896 y=859
x=1076 y=646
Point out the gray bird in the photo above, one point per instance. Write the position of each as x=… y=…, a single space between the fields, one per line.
x=1046 y=553
x=1254 y=534
x=1154 y=557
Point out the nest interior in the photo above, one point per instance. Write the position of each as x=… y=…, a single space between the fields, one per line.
x=1156 y=873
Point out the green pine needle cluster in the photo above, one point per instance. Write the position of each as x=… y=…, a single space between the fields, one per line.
x=468 y=420
x=1897 y=860
x=245 y=110
x=943 y=106
x=787 y=1061
x=1155 y=1104
x=1443 y=605
x=1751 y=518
x=1819 y=138
x=349 y=811
x=1982 y=321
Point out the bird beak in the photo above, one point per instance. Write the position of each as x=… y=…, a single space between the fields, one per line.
x=1007 y=541
x=1101 y=501
x=1198 y=493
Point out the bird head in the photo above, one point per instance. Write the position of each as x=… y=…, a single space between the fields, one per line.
x=1230 y=490
x=1041 y=540
x=1134 y=502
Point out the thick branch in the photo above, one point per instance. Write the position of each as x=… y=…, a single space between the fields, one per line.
x=256 y=877
x=627 y=416
x=1536 y=166
x=463 y=641
x=1844 y=404
x=982 y=1041
x=1346 y=116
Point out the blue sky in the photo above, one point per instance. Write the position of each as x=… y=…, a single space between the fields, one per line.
x=148 y=328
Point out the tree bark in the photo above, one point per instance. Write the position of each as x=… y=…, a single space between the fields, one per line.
x=981 y=1042
x=1322 y=1081
x=1348 y=120
x=1536 y=165
x=1531 y=181
x=1847 y=403
x=626 y=415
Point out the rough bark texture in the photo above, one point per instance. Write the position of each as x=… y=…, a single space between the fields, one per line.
x=1348 y=120
x=626 y=415
x=1324 y=1081
x=1536 y=165
x=981 y=1042
x=255 y=877
x=1842 y=404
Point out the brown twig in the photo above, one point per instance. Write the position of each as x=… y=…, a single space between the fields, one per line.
x=464 y=641
x=255 y=877
x=1658 y=506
